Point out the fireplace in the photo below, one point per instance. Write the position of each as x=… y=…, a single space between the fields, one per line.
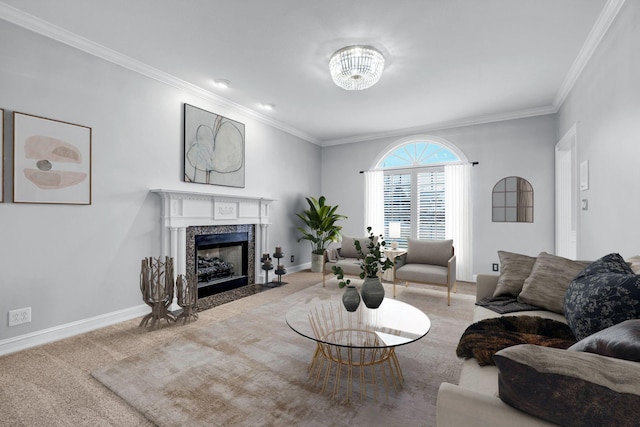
x=220 y=257
x=185 y=214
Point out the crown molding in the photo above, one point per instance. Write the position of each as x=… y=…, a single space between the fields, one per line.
x=44 y=28
x=478 y=120
x=600 y=28
x=37 y=25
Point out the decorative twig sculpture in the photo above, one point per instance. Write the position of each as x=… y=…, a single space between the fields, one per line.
x=156 y=284
x=187 y=294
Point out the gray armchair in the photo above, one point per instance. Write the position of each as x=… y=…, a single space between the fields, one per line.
x=431 y=262
x=346 y=257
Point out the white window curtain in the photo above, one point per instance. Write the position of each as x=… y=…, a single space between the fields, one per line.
x=458 y=217
x=374 y=201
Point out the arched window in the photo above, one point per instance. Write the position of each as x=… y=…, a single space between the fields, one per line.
x=414 y=187
x=416 y=154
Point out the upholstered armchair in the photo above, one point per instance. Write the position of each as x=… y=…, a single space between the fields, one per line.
x=346 y=257
x=430 y=262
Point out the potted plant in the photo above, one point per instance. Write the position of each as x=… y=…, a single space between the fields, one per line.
x=371 y=263
x=321 y=220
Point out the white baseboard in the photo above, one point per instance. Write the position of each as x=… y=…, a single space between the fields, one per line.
x=299 y=267
x=22 y=342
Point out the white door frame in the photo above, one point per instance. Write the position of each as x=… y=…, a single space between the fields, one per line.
x=566 y=212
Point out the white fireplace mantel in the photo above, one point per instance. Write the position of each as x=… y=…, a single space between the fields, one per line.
x=182 y=209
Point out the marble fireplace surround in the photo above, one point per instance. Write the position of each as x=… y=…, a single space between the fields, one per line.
x=205 y=211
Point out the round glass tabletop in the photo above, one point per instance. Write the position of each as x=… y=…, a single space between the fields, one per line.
x=392 y=324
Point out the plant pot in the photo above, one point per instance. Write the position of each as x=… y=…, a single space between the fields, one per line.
x=372 y=292
x=351 y=298
x=317 y=263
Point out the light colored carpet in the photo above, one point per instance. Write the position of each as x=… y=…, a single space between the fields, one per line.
x=252 y=369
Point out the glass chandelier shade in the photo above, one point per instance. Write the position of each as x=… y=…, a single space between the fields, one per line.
x=356 y=67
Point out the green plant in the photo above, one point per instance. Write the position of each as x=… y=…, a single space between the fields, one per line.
x=321 y=220
x=370 y=263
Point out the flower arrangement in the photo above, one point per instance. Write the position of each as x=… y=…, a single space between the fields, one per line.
x=370 y=263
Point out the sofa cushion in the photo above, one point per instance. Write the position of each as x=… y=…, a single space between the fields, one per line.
x=569 y=388
x=547 y=284
x=514 y=270
x=348 y=249
x=621 y=341
x=423 y=273
x=433 y=252
x=604 y=294
x=350 y=266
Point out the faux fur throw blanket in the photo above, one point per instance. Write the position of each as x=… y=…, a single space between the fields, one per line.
x=483 y=339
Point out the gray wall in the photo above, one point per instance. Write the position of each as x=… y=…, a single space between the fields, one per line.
x=523 y=147
x=605 y=104
x=70 y=263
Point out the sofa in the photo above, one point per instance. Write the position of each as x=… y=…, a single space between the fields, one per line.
x=594 y=382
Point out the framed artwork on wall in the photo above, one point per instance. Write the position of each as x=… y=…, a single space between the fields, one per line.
x=1 y=155
x=214 y=150
x=51 y=161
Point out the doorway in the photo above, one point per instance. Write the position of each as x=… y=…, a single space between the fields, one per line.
x=567 y=195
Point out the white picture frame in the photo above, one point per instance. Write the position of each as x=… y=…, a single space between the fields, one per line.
x=51 y=161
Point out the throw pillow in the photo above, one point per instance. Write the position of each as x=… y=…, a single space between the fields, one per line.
x=569 y=388
x=348 y=249
x=621 y=341
x=432 y=252
x=611 y=263
x=547 y=284
x=514 y=270
x=598 y=299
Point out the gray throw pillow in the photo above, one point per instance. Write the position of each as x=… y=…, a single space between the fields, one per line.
x=569 y=388
x=431 y=252
x=549 y=280
x=514 y=270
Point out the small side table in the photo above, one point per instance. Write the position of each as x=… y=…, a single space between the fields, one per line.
x=391 y=254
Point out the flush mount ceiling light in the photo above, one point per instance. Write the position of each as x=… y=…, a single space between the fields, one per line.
x=356 y=67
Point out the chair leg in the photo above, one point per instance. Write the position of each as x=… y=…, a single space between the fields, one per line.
x=455 y=287
x=448 y=296
x=324 y=277
x=394 y=288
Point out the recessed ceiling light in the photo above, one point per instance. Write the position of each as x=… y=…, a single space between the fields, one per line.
x=222 y=83
x=268 y=106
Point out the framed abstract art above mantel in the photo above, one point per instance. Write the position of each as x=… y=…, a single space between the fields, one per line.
x=214 y=148
x=51 y=161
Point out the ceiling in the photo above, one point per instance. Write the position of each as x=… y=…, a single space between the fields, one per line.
x=449 y=62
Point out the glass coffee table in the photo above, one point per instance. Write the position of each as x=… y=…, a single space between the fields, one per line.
x=364 y=341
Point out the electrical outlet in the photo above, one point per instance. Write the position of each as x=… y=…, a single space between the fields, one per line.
x=494 y=267
x=292 y=258
x=19 y=316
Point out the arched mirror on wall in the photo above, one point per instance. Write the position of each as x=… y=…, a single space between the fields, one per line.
x=512 y=200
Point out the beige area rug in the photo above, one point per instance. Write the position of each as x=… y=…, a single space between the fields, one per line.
x=252 y=369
